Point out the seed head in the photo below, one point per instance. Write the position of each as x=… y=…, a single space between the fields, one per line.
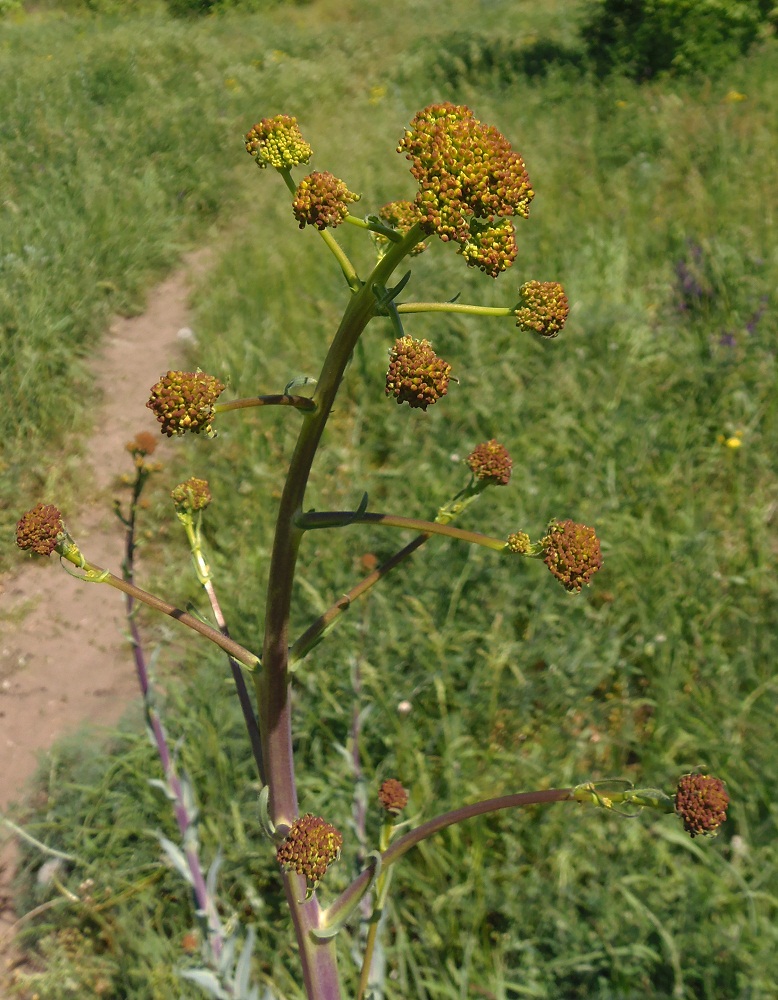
x=183 y=401
x=309 y=848
x=392 y=796
x=572 y=553
x=468 y=177
x=416 y=375
x=519 y=543
x=192 y=495
x=277 y=142
x=543 y=308
x=490 y=463
x=40 y=529
x=322 y=200
x=701 y=802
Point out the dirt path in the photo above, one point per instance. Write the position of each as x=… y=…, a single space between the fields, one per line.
x=64 y=659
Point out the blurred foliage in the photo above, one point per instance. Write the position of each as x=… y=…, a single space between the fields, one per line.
x=640 y=38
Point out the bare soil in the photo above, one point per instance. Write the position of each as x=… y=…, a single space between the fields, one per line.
x=64 y=658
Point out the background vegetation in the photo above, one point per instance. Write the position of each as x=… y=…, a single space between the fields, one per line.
x=652 y=417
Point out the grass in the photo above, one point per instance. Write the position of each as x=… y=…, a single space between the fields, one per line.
x=655 y=208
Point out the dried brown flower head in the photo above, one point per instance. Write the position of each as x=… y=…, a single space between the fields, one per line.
x=310 y=847
x=322 y=200
x=701 y=802
x=572 y=553
x=277 y=142
x=392 y=796
x=416 y=375
x=192 y=495
x=469 y=177
x=184 y=401
x=490 y=463
x=40 y=529
x=543 y=308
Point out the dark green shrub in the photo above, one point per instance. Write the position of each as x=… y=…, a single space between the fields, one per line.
x=641 y=38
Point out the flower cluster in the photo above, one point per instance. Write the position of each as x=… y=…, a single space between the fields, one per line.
x=191 y=496
x=392 y=796
x=572 y=553
x=322 y=200
x=491 y=247
x=519 y=543
x=402 y=216
x=40 y=529
x=277 y=142
x=701 y=802
x=543 y=308
x=416 y=375
x=310 y=847
x=184 y=401
x=469 y=177
x=490 y=463
x=142 y=444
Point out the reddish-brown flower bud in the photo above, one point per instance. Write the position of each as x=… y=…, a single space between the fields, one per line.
x=701 y=802
x=310 y=847
x=490 y=463
x=40 y=529
x=183 y=401
x=543 y=308
x=572 y=553
x=518 y=543
x=416 y=375
x=392 y=796
x=322 y=200
x=192 y=495
x=277 y=142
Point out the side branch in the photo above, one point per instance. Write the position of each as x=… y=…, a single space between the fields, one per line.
x=341 y=518
x=277 y=399
x=455 y=307
x=414 y=837
x=98 y=575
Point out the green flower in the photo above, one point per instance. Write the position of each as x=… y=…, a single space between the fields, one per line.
x=277 y=142
x=191 y=496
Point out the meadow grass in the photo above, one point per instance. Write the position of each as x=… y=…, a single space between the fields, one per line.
x=656 y=209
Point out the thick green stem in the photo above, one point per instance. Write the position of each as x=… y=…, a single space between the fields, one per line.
x=272 y=682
